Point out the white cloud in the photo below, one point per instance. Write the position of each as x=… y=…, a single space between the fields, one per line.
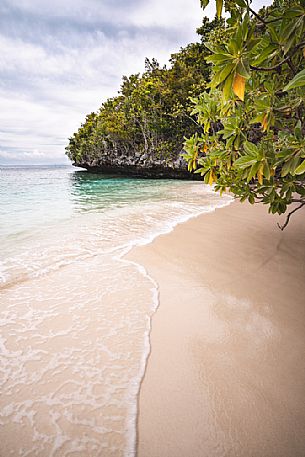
x=31 y=156
x=61 y=60
x=177 y=14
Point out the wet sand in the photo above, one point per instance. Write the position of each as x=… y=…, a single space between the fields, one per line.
x=226 y=373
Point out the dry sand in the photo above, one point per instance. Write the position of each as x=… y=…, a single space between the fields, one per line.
x=226 y=373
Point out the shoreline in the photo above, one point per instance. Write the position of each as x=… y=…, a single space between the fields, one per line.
x=85 y=310
x=132 y=420
x=207 y=325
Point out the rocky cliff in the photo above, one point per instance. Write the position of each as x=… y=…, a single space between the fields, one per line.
x=138 y=165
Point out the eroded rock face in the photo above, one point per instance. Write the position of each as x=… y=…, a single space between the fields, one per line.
x=138 y=165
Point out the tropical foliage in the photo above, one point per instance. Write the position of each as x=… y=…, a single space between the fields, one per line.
x=150 y=115
x=252 y=117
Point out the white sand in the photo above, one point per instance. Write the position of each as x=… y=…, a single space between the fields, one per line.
x=226 y=374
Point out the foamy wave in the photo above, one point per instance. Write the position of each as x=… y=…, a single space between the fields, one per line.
x=88 y=235
x=76 y=319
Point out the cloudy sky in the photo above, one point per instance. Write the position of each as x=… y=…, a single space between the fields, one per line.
x=60 y=59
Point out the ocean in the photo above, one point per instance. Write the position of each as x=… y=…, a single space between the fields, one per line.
x=75 y=315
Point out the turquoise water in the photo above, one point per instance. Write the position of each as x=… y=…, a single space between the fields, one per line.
x=38 y=196
x=75 y=315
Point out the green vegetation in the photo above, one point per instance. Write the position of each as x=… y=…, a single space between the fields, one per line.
x=252 y=116
x=236 y=98
x=150 y=115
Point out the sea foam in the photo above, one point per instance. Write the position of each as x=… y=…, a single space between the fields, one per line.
x=76 y=319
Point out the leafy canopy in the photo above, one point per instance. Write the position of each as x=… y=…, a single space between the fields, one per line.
x=150 y=114
x=252 y=117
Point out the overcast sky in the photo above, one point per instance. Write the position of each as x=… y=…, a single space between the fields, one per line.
x=60 y=59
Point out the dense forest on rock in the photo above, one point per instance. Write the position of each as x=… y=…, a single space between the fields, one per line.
x=234 y=101
x=144 y=126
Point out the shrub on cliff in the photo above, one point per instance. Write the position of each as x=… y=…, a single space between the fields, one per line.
x=253 y=117
x=150 y=115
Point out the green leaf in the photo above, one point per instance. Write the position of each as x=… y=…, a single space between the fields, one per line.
x=232 y=47
x=258 y=119
x=288 y=43
x=251 y=149
x=294 y=164
x=266 y=170
x=227 y=88
x=294 y=12
x=207 y=177
x=200 y=170
x=300 y=169
x=217 y=49
x=241 y=70
x=222 y=75
x=245 y=162
x=219 y=58
x=267 y=53
x=253 y=171
x=251 y=199
x=297 y=81
x=273 y=32
x=252 y=44
x=204 y=3
x=241 y=3
x=286 y=168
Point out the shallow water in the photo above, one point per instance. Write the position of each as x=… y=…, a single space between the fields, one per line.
x=75 y=316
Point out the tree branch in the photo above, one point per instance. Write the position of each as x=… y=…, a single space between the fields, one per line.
x=291 y=66
x=261 y=19
x=257 y=15
x=189 y=117
x=282 y=227
x=275 y=67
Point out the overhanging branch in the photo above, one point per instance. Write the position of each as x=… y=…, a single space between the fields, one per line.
x=282 y=227
x=262 y=20
x=277 y=66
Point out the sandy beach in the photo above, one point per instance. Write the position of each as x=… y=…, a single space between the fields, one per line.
x=226 y=372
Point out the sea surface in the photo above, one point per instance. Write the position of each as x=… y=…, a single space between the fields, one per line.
x=75 y=316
